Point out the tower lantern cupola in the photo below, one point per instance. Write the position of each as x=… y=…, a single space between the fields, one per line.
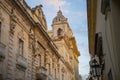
x=59 y=18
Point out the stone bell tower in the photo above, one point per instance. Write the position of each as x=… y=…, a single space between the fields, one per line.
x=60 y=26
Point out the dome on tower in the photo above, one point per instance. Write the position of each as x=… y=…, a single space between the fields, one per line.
x=59 y=17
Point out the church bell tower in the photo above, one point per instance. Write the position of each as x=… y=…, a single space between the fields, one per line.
x=60 y=26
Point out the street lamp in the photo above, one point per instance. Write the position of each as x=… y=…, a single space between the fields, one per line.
x=95 y=69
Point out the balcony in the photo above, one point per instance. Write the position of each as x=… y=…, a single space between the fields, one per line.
x=41 y=73
x=22 y=61
x=2 y=51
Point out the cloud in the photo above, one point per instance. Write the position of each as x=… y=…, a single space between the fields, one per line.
x=84 y=77
x=65 y=11
x=56 y=3
x=82 y=14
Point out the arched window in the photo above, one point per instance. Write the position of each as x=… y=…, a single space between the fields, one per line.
x=59 y=32
x=39 y=60
x=21 y=46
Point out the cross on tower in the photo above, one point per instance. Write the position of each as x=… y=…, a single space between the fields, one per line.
x=59 y=4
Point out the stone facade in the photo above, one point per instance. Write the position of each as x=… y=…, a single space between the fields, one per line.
x=26 y=50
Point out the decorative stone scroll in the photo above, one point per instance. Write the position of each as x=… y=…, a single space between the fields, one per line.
x=47 y=56
x=31 y=38
x=21 y=35
x=31 y=34
x=12 y=27
x=13 y=20
x=48 y=59
x=36 y=46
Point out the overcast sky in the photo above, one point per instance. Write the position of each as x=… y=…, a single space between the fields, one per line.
x=75 y=11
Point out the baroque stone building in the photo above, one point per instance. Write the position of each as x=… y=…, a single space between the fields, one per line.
x=62 y=36
x=27 y=52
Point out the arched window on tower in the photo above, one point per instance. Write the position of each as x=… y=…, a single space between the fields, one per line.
x=59 y=32
x=59 y=19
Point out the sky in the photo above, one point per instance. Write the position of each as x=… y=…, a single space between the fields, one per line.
x=75 y=11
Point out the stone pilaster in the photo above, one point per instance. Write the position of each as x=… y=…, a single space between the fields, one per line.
x=11 y=59
x=31 y=71
x=29 y=68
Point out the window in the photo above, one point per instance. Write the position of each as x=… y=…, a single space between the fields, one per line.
x=49 y=69
x=59 y=32
x=53 y=64
x=110 y=75
x=55 y=73
x=39 y=60
x=105 y=6
x=59 y=19
x=98 y=44
x=21 y=47
x=45 y=57
x=0 y=29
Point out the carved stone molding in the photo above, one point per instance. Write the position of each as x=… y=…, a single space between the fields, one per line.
x=31 y=34
x=36 y=44
x=13 y=20
x=13 y=15
x=54 y=59
x=21 y=35
x=31 y=41
x=12 y=27
x=47 y=59
x=31 y=38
